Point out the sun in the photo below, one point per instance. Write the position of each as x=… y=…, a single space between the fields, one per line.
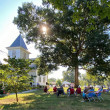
x=44 y=29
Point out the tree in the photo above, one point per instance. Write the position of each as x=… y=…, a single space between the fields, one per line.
x=58 y=82
x=43 y=67
x=15 y=74
x=88 y=79
x=76 y=34
x=68 y=76
x=107 y=82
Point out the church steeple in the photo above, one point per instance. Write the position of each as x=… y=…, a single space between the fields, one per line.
x=19 y=42
x=18 y=49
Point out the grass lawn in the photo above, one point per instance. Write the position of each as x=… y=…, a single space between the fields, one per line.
x=38 y=100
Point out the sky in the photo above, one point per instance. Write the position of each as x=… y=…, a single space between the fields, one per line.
x=9 y=31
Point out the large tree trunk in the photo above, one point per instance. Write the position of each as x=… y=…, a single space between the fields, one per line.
x=16 y=97
x=76 y=76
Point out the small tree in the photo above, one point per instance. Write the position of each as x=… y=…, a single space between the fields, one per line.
x=15 y=74
x=59 y=82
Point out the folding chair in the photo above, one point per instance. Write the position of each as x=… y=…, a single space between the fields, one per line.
x=71 y=92
x=78 y=91
x=90 y=96
x=99 y=96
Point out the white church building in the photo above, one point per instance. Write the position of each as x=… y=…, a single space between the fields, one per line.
x=18 y=49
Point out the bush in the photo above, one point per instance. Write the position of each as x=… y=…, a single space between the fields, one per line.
x=2 y=91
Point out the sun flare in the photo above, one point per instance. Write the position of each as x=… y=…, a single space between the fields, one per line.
x=44 y=29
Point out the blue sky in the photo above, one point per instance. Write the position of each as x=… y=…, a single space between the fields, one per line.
x=9 y=31
x=8 y=9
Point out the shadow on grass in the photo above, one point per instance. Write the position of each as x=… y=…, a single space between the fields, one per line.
x=42 y=101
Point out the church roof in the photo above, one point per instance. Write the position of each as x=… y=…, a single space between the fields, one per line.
x=19 y=42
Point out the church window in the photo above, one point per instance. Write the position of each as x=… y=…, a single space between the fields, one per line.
x=44 y=79
x=13 y=53
x=24 y=56
x=39 y=78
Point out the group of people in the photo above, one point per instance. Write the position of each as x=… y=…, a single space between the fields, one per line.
x=70 y=90
x=85 y=93
x=90 y=91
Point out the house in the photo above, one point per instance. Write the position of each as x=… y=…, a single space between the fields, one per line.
x=18 y=49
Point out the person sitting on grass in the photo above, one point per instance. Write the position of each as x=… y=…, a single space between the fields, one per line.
x=78 y=90
x=55 y=89
x=91 y=90
x=68 y=90
x=45 y=89
x=71 y=91
x=60 y=91
x=84 y=94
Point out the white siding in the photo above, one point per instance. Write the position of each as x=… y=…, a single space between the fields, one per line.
x=27 y=56
x=21 y=54
x=17 y=53
x=10 y=53
x=34 y=74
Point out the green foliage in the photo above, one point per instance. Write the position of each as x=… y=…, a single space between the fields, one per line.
x=51 y=80
x=76 y=33
x=69 y=75
x=43 y=67
x=94 y=7
x=14 y=74
x=58 y=82
x=89 y=79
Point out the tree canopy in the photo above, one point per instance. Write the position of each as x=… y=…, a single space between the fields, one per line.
x=76 y=34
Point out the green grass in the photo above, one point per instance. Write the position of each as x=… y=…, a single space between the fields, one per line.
x=38 y=100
